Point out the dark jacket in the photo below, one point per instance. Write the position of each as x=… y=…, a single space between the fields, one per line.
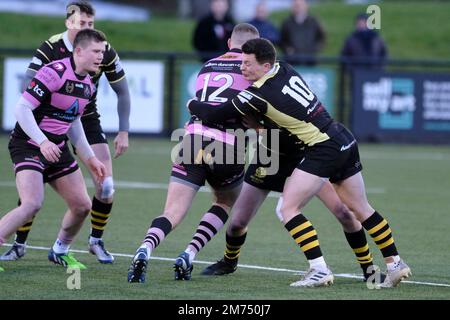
x=367 y=46
x=306 y=38
x=266 y=30
x=211 y=35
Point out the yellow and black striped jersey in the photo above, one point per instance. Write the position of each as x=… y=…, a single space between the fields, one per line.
x=283 y=97
x=283 y=100
x=58 y=47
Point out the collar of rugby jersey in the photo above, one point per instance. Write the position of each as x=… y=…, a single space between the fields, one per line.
x=67 y=42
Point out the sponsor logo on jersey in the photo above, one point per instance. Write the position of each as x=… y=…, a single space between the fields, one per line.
x=58 y=66
x=31 y=85
x=309 y=110
x=71 y=113
x=87 y=92
x=346 y=147
x=35 y=87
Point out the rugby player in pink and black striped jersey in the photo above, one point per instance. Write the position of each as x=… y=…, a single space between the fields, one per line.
x=80 y=15
x=219 y=80
x=48 y=112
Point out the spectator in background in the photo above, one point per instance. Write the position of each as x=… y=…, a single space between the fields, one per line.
x=364 y=46
x=301 y=34
x=265 y=27
x=213 y=31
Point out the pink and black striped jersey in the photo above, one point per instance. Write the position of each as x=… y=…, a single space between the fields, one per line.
x=59 y=96
x=59 y=47
x=220 y=80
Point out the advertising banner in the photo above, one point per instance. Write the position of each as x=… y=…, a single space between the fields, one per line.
x=146 y=85
x=401 y=107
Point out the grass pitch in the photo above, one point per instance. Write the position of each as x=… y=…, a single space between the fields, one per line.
x=407 y=184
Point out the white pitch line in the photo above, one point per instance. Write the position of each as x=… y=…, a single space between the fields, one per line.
x=164 y=186
x=433 y=156
x=248 y=266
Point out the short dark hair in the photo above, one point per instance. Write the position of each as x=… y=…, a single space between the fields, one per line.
x=83 y=6
x=263 y=50
x=88 y=35
x=243 y=32
x=246 y=28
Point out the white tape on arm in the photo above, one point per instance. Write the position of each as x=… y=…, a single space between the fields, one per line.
x=78 y=138
x=24 y=115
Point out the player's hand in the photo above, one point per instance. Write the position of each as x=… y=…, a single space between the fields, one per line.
x=97 y=168
x=189 y=102
x=120 y=143
x=251 y=122
x=50 y=151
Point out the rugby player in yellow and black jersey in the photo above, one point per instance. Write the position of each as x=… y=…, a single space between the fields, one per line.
x=79 y=16
x=280 y=94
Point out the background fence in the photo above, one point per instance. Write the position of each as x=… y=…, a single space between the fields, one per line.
x=402 y=101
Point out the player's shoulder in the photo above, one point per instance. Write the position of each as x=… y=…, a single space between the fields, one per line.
x=58 y=67
x=56 y=38
x=233 y=54
x=286 y=68
x=272 y=78
x=229 y=63
x=53 y=44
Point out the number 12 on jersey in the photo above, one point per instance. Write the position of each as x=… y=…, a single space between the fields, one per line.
x=214 y=96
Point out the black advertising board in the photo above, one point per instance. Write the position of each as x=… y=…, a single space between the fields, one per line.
x=401 y=107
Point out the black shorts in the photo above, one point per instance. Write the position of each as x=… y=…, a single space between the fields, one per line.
x=93 y=129
x=26 y=156
x=336 y=158
x=256 y=174
x=195 y=164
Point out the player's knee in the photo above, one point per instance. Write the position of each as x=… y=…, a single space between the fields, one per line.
x=82 y=208
x=31 y=207
x=107 y=188
x=239 y=221
x=237 y=226
x=344 y=215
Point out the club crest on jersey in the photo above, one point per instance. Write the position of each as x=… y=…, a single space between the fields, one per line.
x=69 y=87
x=260 y=172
